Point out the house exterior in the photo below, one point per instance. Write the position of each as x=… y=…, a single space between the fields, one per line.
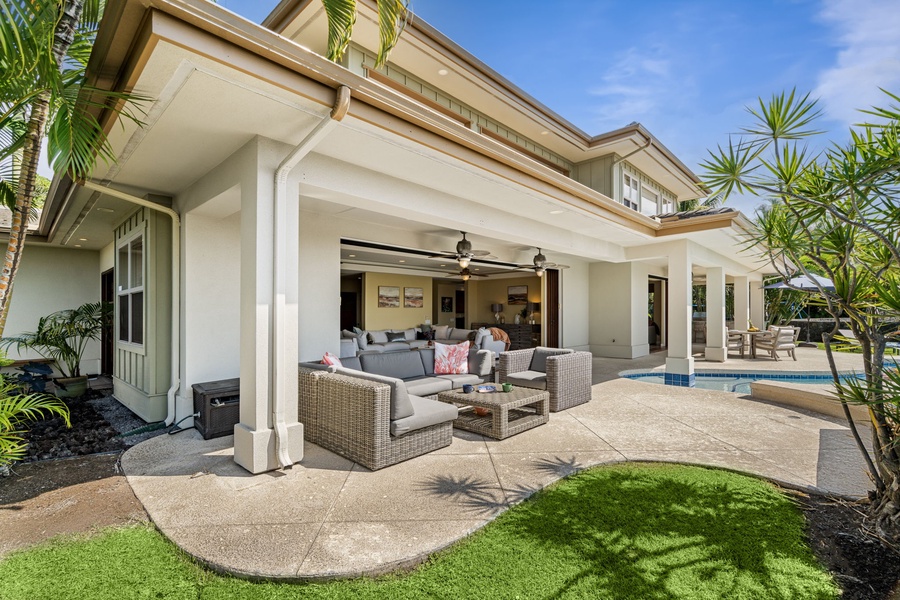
x=267 y=183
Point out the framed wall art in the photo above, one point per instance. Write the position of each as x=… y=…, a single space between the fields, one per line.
x=388 y=296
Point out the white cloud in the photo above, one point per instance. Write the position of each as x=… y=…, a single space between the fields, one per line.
x=631 y=87
x=868 y=35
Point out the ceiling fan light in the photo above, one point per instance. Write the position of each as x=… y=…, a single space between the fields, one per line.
x=463 y=262
x=465 y=276
x=539 y=271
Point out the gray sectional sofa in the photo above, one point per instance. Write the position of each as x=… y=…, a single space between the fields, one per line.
x=374 y=409
x=392 y=340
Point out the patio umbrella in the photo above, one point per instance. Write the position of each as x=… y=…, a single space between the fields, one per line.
x=808 y=284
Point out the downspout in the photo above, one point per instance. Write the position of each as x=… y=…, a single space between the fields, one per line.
x=329 y=122
x=176 y=284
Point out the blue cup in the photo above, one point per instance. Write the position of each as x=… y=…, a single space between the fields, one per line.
x=468 y=388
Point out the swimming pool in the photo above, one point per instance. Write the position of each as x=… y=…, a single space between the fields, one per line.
x=737 y=382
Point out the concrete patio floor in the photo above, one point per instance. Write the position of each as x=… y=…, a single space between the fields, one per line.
x=328 y=517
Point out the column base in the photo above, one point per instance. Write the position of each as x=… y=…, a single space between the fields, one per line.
x=680 y=372
x=716 y=354
x=255 y=450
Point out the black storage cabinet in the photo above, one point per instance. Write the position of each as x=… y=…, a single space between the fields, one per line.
x=219 y=405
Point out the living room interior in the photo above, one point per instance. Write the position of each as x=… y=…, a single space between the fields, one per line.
x=429 y=286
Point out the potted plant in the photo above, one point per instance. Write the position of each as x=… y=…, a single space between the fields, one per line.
x=63 y=337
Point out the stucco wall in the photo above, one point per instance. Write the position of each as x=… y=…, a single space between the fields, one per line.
x=52 y=279
x=618 y=307
x=575 y=307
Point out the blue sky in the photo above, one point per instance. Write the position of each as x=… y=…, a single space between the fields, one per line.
x=685 y=70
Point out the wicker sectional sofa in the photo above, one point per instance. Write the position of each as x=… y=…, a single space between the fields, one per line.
x=373 y=410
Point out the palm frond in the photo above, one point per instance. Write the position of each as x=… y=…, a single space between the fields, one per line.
x=341 y=18
x=784 y=117
x=392 y=17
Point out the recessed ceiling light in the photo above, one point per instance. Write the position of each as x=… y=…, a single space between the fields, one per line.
x=443 y=265
x=557 y=212
x=82 y=239
x=106 y=210
x=544 y=132
x=352 y=255
x=401 y=261
x=443 y=71
x=78 y=245
x=477 y=269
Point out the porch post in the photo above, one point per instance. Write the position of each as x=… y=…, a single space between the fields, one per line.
x=715 y=315
x=741 y=302
x=268 y=346
x=680 y=362
x=757 y=303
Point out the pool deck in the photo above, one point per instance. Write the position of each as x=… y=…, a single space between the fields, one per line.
x=328 y=517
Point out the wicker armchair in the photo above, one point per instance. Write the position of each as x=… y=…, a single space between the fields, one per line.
x=351 y=417
x=567 y=374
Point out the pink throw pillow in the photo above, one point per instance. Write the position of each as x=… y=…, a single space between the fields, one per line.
x=331 y=360
x=451 y=359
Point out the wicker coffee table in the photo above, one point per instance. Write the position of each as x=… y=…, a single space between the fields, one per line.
x=511 y=412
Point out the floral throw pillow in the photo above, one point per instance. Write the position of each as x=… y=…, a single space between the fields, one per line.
x=331 y=360
x=451 y=359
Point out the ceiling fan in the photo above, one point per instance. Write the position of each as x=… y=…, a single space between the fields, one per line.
x=541 y=264
x=466 y=274
x=464 y=253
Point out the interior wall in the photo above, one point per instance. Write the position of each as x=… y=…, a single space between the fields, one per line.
x=400 y=317
x=446 y=290
x=491 y=291
x=50 y=280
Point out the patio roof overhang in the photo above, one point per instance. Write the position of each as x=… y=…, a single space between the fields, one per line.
x=219 y=80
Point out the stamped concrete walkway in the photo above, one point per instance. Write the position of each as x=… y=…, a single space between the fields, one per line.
x=328 y=517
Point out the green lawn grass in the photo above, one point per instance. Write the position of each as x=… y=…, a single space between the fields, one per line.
x=624 y=531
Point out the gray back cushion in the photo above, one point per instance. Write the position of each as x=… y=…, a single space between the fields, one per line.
x=427 y=357
x=460 y=334
x=351 y=362
x=539 y=360
x=480 y=363
x=401 y=407
x=378 y=337
x=402 y=365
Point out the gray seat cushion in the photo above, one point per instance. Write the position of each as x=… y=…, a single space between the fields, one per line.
x=529 y=379
x=459 y=380
x=427 y=413
x=539 y=360
x=401 y=407
x=402 y=365
x=428 y=386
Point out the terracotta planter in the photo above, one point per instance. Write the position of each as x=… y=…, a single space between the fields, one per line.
x=70 y=387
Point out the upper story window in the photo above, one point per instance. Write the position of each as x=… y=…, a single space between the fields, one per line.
x=630 y=191
x=649 y=201
x=130 y=290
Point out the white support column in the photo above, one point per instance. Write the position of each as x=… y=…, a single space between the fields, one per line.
x=741 y=303
x=680 y=362
x=757 y=304
x=254 y=438
x=715 y=315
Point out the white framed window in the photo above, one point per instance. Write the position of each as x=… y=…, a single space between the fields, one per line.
x=668 y=205
x=630 y=191
x=649 y=201
x=130 y=290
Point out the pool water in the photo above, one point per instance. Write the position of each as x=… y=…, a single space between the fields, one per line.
x=735 y=382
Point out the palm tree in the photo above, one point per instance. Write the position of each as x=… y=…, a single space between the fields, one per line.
x=392 y=17
x=44 y=49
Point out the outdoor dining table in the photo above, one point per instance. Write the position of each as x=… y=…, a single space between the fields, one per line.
x=748 y=337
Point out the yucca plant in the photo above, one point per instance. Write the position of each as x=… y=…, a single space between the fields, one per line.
x=15 y=411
